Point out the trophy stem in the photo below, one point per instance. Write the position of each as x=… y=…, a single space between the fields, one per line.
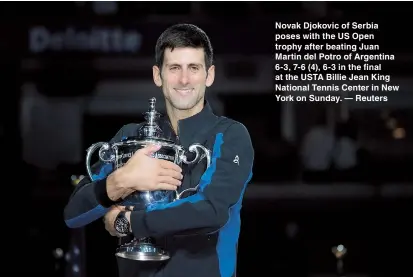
x=151 y=128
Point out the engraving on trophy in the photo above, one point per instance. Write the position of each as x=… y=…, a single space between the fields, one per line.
x=125 y=155
x=163 y=156
x=118 y=154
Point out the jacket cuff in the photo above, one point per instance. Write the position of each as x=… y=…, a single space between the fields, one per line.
x=102 y=194
x=138 y=224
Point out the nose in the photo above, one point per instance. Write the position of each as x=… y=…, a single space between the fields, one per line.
x=184 y=78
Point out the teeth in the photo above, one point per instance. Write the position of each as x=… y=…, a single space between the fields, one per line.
x=183 y=90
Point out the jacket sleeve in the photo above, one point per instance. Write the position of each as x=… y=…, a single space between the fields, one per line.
x=221 y=189
x=89 y=201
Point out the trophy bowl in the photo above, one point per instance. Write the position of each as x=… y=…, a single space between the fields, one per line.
x=118 y=153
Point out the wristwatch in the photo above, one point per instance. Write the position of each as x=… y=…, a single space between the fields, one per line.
x=122 y=224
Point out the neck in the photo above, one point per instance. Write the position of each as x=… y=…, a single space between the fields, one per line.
x=175 y=114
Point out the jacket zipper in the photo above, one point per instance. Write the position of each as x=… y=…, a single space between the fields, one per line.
x=177 y=134
x=179 y=190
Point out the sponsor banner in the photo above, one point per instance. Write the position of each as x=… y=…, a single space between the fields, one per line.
x=105 y=40
x=138 y=40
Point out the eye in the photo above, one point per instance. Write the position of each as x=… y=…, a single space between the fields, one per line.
x=173 y=68
x=194 y=68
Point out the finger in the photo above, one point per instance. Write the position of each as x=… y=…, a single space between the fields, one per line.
x=169 y=180
x=165 y=186
x=170 y=165
x=172 y=173
x=129 y=208
x=121 y=208
x=150 y=149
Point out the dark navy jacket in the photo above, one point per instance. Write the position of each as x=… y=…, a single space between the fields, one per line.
x=200 y=231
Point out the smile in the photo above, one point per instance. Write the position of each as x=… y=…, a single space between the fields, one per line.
x=183 y=91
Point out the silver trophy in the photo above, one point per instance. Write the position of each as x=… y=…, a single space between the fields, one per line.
x=118 y=153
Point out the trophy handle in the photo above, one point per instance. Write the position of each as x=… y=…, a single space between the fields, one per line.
x=104 y=146
x=206 y=154
x=194 y=148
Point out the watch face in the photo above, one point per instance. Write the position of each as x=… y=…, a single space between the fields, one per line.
x=122 y=225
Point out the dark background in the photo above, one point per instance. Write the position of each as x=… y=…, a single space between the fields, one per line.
x=59 y=101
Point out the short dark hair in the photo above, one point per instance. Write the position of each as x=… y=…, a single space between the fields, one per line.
x=183 y=35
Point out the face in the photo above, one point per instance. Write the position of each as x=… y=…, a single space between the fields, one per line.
x=184 y=77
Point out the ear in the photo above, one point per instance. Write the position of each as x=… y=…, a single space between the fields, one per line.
x=156 y=72
x=211 y=76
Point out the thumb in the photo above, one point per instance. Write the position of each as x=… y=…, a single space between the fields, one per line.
x=150 y=149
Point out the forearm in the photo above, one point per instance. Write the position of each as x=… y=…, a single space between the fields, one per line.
x=84 y=207
x=200 y=216
x=89 y=202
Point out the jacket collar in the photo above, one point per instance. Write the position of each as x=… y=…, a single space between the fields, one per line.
x=192 y=129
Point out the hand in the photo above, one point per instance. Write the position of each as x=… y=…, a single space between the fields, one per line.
x=144 y=173
x=109 y=220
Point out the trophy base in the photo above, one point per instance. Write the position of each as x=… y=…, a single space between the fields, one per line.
x=141 y=251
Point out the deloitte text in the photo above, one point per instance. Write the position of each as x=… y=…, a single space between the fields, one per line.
x=105 y=40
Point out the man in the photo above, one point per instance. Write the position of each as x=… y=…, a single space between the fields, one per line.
x=201 y=230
